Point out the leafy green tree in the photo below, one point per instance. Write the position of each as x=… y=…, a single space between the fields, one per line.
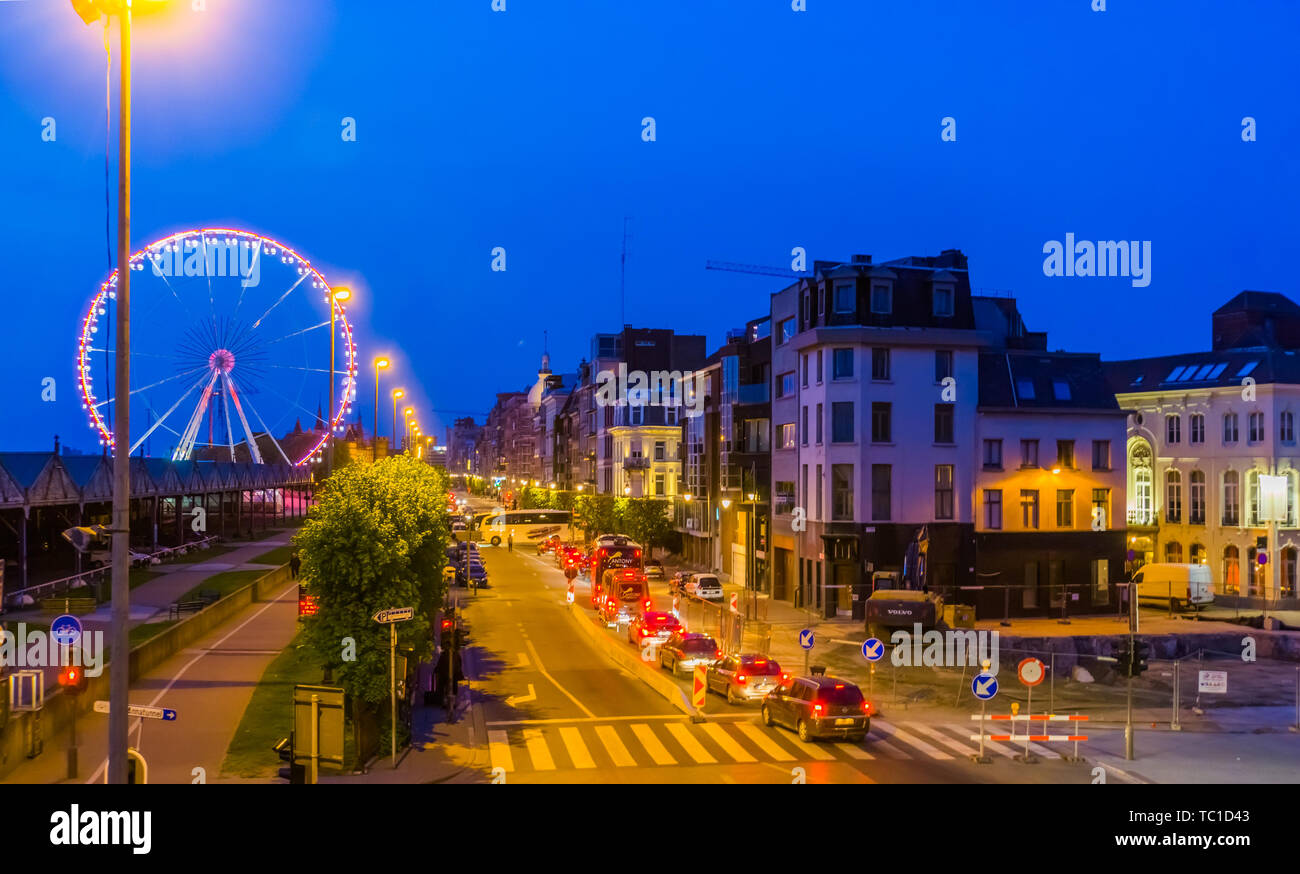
x=647 y=521
x=376 y=540
x=598 y=514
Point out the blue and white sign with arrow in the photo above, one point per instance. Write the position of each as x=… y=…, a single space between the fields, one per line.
x=984 y=686
x=66 y=630
x=873 y=649
x=806 y=638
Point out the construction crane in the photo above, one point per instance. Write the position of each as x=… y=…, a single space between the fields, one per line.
x=762 y=270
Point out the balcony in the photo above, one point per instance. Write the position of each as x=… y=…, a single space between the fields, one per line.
x=1142 y=518
x=636 y=462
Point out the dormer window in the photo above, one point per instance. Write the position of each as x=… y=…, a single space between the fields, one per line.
x=943 y=299
x=882 y=298
x=846 y=297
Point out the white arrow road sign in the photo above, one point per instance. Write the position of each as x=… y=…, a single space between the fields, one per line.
x=394 y=614
x=522 y=699
x=141 y=711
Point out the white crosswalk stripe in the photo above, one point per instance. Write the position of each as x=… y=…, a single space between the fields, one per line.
x=538 y=751
x=941 y=738
x=906 y=737
x=693 y=747
x=499 y=749
x=614 y=746
x=652 y=745
x=577 y=749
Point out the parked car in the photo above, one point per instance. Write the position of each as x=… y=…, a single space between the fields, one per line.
x=704 y=586
x=652 y=626
x=654 y=569
x=549 y=544
x=686 y=649
x=476 y=572
x=819 y=706
x=744 y=677
x=1178 y=585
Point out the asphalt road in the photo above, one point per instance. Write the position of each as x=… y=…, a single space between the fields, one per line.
x=555 y=709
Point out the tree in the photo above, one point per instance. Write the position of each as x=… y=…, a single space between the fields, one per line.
x=647 y=521
x=597 y=514
x=376 y=540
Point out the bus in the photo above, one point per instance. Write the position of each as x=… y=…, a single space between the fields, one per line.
x=528 y=526
x=612 y=551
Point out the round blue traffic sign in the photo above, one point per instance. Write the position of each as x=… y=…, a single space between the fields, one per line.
x=984 y=686
x=873 y=649
x=806 y=638
x=66 y=630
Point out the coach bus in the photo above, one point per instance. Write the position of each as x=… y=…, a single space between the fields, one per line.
x=527 y=526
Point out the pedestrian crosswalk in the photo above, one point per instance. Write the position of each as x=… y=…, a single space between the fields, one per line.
x=657 y=742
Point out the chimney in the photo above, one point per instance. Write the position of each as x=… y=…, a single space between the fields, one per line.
x=56 y=444
x=861 y=259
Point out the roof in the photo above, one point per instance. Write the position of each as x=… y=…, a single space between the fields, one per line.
x=1211 y=369
x=1260 y=301
x=25 y=467
x=1031 y=380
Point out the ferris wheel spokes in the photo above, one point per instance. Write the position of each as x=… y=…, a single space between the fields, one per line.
x=185 y=448
x=181 y=375
x=261 y=422
x=239 y=408
x=163 y=417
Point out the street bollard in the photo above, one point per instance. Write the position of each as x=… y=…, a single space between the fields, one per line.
x=1051 y=685
x=1174 y=724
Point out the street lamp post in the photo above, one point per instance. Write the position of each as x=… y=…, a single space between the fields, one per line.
x=380 y=363
x=336 y=298
x=398 y=394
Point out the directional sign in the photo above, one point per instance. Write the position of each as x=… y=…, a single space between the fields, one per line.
x=873 y=649
x=394 y=614
x=66 y=630
x=698 y=688
x=735 y=602
x=806 y=638
x=984 y=686
x=163 y=713
x=1031 y=671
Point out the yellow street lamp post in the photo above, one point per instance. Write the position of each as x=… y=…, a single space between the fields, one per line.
x=398 y=394
x=380 y=363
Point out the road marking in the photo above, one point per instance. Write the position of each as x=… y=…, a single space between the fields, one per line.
x=522 y=699
x=1042 y=750
x=854 y=751
x=577 y=749
x=931 y=732
x=652 y=745
x=542 y=670
x=898 y=734
x=724 y=740
x=571 y=720
x=499 y=748
x=693 y=747
x=614 y=746
x=523 y=660
x=765 y=743
x=537 y=750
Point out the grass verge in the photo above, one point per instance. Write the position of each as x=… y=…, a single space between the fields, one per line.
x=278 y=556
x=223 y=583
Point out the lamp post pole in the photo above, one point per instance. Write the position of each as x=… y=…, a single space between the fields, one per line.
x=374 y=438
x=119 y=680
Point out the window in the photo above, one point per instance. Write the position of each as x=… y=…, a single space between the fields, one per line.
x=880 y=491
x=785 y=385
x=842 y=364
x=1288 y=572
x=806 y=301
x=1255 y=428
x=1174 y=552
x=880 y=364
x=842 y=492
x=1025 y=388
x=785 y=498
x=992 y=454
x=1196 y=554
x=943 y=300
x=1286 y=427
x=943 y=426
x=846 y=297
x=943 y=491
x=842 y=422
x=1100 y=581
x=1061 y=389
x=1101 y=455
x=1196 y=428
x=1100 y=509
x=1029 y=508
x=1231 y=570
x=1173 y=496
x=1196 y=498
x=1252 y=496
x=804 y=490
x=1229 y=427
x=636 y=414
x=804 y=438
x=1231 y=497
x=993 y=509
x=659 y=484
x=881 y=424
x=1065 y=508
x=942 y=364
x=1173 y=429
x=820 y=418
x=804 y=381
x=1065 y=454
x=786 y=435
x=785 y=331
x=1029 y=453
x=661 y=448
x=819 y=492
x=882 y=298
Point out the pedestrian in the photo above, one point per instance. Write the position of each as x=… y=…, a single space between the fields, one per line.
x=510 y=540
x=294 y=564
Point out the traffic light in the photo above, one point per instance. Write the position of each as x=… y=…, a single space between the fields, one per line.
x=1123 y=659
x=1141 y=652
x=73 y=679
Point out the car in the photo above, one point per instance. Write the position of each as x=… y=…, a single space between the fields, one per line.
x=684 y=650
x=652 y=626
x=819 y=706
x=744 y=677
x=654 y=569
x=549 y=544
x=704 y=586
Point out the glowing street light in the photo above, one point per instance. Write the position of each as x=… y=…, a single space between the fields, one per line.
x=398 y=394
x=380 y=364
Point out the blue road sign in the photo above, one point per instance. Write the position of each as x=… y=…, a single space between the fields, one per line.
x=66 y=630
x=873 y=649
x=806 y=638
x=984 y=686
x=169 y=715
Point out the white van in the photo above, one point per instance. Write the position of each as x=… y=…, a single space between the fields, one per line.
x=1185 y=585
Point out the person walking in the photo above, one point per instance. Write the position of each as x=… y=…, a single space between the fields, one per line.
x=510 y=541
x=294 y=564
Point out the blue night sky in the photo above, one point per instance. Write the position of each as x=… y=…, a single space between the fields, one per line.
x=775 y=129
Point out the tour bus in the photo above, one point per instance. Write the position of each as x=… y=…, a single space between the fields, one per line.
x=612 y=551
x=528 y=526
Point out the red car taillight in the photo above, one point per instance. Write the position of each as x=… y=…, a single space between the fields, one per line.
x=643 y=632
x=866 y=707
x=818 y=709
x=647 y=604
x=740 y=678
x=784 y=676
x=718 y=654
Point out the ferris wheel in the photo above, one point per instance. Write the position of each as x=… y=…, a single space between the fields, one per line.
x=234 y=337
